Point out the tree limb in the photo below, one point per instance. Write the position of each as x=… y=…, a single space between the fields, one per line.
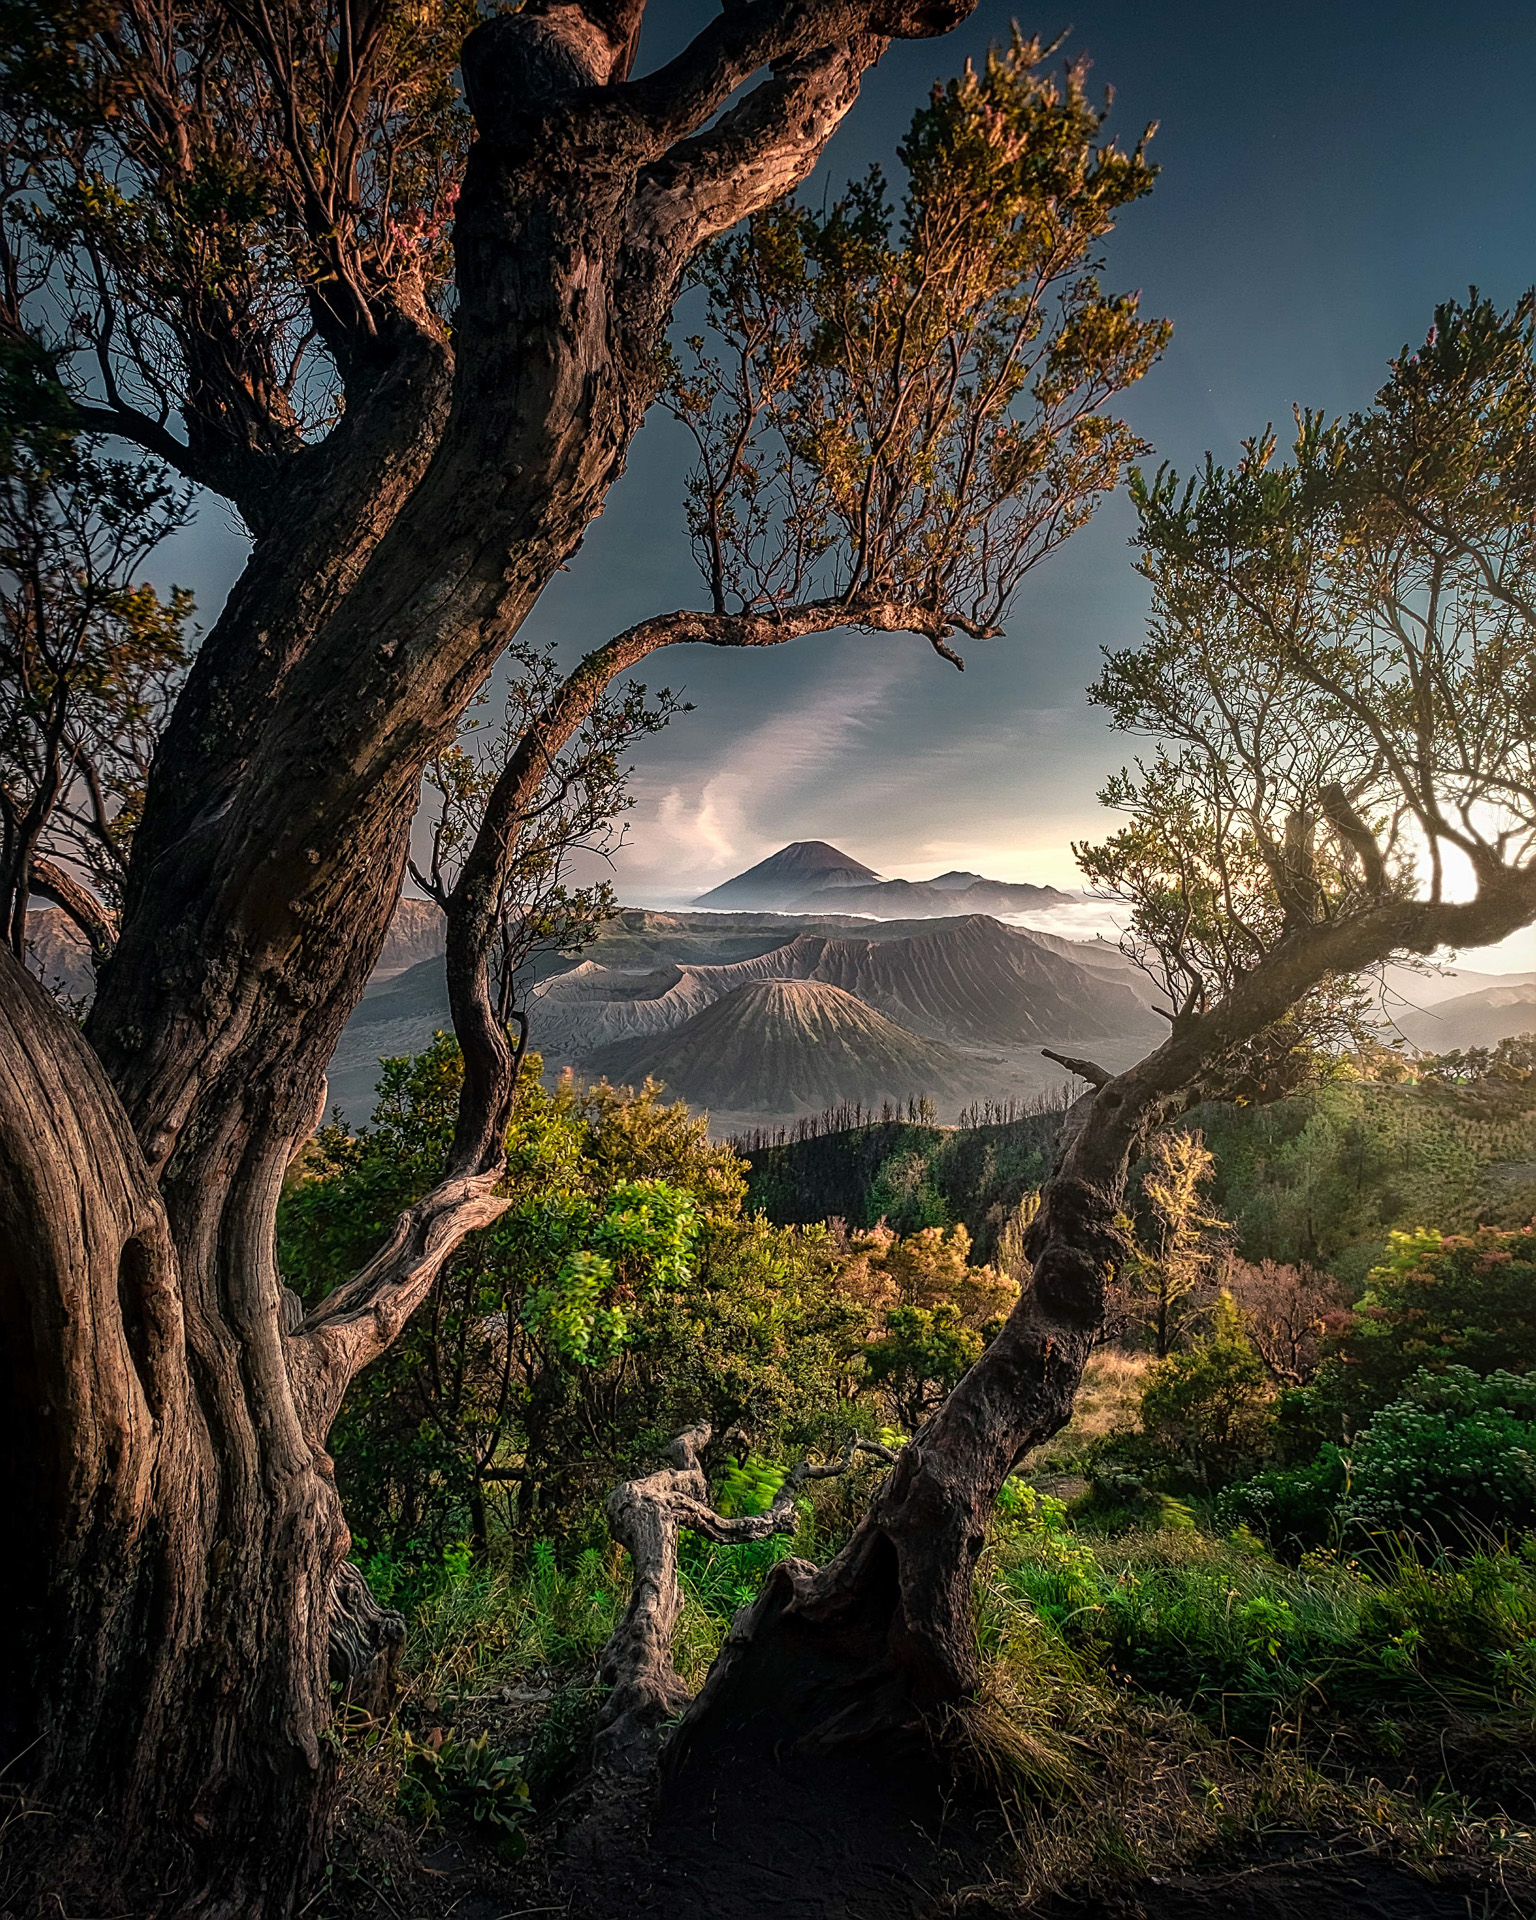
x=644 y=1517
x=1084 y=1069
x=1351 y=829
x=356 y=1321
x=51 y=881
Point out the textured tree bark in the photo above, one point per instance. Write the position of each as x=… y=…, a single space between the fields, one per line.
x=170 y=1527
x=644 y=1517
x=180 y=1539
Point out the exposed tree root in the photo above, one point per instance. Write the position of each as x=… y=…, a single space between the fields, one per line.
x=365 y=1640
x=644 y=1516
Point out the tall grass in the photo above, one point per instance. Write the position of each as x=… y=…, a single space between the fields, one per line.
x=1250 y=1645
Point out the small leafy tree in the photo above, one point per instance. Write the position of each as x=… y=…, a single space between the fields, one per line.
x=932 y=1309
x=1170 y=1264
x=1212 y=1406
x=884 y=1270
x=91 y=657
x=920 y=1356
x=1287 y=1313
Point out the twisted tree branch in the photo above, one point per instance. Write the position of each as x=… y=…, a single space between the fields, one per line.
x=644 y=1517
x=49 y=880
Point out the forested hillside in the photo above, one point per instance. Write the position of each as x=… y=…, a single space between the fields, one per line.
x=908 y=1174
x=1322 y=1177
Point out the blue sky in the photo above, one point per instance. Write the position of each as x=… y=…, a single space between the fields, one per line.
x=1328 y=173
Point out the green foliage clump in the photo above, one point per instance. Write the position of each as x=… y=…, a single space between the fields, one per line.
x=748 y=1486
x=909 y=1177
x=1295 y=1508
x=641 y=1235
x=1455 y=1454
x=1230 y=1634
x=620 y=1297
x=1212 y=1406
x=466 y=1780
x=1452 y=1458
x=1325 y=1176
x=1439 y=1301
x=920 y=1357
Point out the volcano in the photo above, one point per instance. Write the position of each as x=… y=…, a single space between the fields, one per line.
x=785 y=1046
x=803 y=867
x=809 y=876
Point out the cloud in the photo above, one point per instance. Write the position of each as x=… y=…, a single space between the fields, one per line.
x=765 y=788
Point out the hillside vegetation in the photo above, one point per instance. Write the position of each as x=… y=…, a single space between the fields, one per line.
x=1322 y=1177
x=1208 y=1646
x=907 y=1174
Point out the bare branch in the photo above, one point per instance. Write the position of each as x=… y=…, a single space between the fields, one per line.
x=1346 y=822
x=52 y=882
x=1084 y=1069
x=356 y=1321
x=644 y=1516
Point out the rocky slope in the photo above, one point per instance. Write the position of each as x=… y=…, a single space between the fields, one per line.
x=790 y=1046
x=969 y=981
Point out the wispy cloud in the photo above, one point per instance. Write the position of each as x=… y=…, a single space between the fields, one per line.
x=762 y=789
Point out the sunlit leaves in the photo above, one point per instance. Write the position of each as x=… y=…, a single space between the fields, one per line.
x=1340 y=668
x=207 y=211
x=911 y=403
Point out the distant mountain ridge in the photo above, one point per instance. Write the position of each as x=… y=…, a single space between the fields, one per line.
x=1479 y=1019
x=810 y=875
x=970 y=981
x=791 y=1046
x=803 y=867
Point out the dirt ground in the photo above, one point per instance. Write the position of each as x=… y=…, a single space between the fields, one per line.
x=808 y=1843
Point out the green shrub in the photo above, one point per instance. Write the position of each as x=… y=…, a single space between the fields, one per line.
x=1210 y=1410
x=1468 y=1619
x=1457 y=1453
x=1439 y=1301
x=919 y=1359
x=1246 y=1643
x=1294 y=1508
x=445 y=1776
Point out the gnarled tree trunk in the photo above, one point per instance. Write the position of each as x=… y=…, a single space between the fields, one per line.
x=162 y=1409
x=644 y=1688
x=870 y=1647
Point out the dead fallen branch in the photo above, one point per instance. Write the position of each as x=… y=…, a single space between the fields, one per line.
x=644 y=1517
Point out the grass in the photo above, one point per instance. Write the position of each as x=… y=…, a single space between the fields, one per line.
x=1194 y=1697
x=1150 y=1699
x=1231 y=1634
x=1108 y=1399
